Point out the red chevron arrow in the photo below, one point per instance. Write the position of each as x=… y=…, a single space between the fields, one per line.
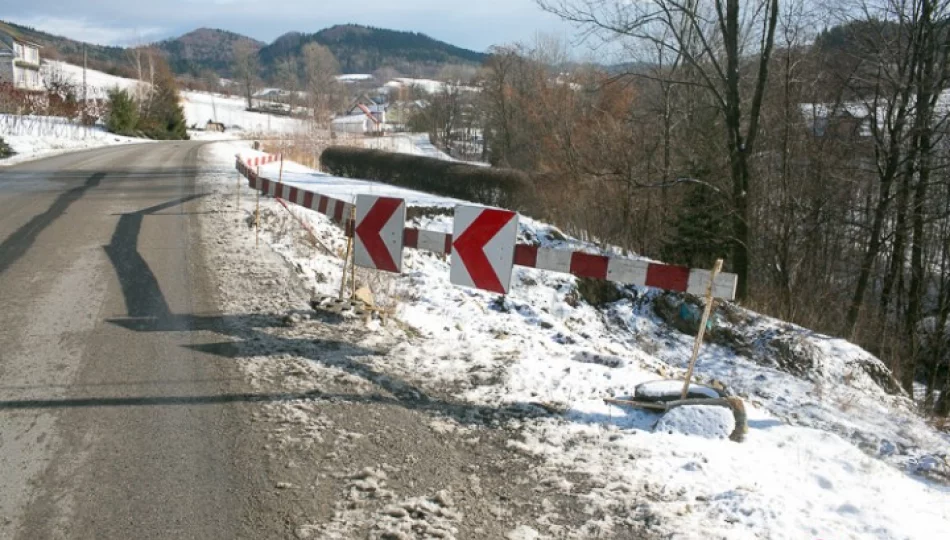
x=469 y=247
x=369 y=232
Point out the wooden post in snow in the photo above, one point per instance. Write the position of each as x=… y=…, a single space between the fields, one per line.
x=710 y=300
x=257 y=212
x=353 y=262
x=280 y=177
x=346 y=260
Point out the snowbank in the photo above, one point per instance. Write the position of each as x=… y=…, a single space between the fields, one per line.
x=34 y=137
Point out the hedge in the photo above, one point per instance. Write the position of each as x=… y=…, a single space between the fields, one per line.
x=504 y=188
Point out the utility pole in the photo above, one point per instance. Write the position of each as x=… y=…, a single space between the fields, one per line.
x=85 y=96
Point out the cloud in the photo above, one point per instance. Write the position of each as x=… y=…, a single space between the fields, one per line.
x=84 y=30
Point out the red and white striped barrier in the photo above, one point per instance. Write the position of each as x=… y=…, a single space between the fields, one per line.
x=577 y=263
x=338 y=211
x=259 y=160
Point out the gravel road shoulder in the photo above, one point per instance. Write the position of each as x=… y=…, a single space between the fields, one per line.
x=351 y=451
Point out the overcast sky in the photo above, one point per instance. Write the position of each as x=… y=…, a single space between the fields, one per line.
x=474 y=24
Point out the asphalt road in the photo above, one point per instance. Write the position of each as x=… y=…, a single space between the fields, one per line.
x=106 y=430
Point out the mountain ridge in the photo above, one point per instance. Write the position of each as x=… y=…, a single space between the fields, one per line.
x=358 y=48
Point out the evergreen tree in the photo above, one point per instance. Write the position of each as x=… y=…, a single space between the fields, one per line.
x=5 y=150
x=123 y=113
x=701 y=229
x=166 y=118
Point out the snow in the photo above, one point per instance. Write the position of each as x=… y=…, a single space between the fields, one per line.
x=98 y=84
x=417 y=144
x=345 y=189
x=708 y=421
x=429 y=86
x=34 y=137
x=354 y=77
x=829 y=453
x=199 y=107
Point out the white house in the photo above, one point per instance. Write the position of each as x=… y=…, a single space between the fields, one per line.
x=20 y=62
x=356 y=123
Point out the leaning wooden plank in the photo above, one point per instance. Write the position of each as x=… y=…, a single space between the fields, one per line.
x=655 y=406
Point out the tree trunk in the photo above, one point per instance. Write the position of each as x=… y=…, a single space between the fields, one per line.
x=923 y=122
x=870 y=254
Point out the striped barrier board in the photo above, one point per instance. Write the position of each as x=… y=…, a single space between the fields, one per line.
x=577 y=263
x=258 y=161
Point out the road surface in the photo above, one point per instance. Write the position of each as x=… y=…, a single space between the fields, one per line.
x=105 y=431
x=151 y=385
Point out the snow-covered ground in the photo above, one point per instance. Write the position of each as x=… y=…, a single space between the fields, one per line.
x=407 y=143
x=427 y=85
x=829 y=453
x=354 y=77
x=200 y=107
x=345 y=189
x=34 y=137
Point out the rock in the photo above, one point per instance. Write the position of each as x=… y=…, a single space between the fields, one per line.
x=523 y=533
x=444 y=499
x=396 y=512
x=708 y=421
x=293 y=319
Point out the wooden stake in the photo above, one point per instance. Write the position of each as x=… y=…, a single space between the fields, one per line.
x=353 y=262
x=346 y=260
x=239 y=195
x=280 y=177
x=710 y=300
x=257 y=212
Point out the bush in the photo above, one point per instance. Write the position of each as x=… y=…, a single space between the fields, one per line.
x=162 y=116
x=504 y=188
x=5 y=150
x=123 y=112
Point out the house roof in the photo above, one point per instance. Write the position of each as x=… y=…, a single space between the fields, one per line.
x=8 y=35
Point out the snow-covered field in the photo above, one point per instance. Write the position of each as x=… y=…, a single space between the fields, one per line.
x=427 y=85
x=34 y=137
x=829 y=453
x=200 y=107
x=417 y=144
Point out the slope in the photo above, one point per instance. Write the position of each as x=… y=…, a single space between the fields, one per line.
x=363 y=49
x=831 y=452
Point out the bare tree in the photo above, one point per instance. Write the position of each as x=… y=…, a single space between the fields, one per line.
x=320 y=68
x=717 y=41
x=246 y=68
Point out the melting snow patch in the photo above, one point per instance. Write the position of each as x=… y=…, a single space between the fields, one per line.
x=709 y=421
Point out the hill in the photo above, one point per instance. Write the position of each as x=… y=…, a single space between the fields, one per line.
x=102 y=57
x=359 y=49
x=364 y=49
x=203 y=49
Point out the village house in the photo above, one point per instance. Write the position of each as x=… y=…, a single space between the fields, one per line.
x=19 y=62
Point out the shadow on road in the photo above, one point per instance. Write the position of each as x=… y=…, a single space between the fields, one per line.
x=148 y=311
x=18 y=243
